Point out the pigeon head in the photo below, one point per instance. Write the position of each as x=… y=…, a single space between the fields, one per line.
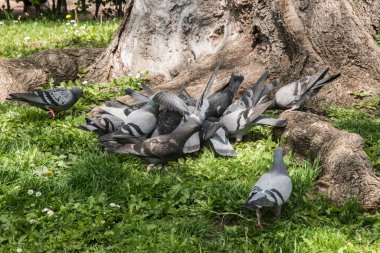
x=278 y=161
x=77 y=92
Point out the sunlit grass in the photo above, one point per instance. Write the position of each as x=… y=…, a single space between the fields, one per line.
x=102 y=202
x=24 y=37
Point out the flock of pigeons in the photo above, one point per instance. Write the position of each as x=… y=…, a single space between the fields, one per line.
x=163 y=126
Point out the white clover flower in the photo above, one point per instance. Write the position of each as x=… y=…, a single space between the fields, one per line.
x=32 y=221
x=72 y=21
x=85 y=82
x=38 y=194
x=75 y=25
x=45 y=209
x=18 y=250
x=112 y=204
x=102 y=221
x=50 y=212
x=30 y=192
x=138 y=75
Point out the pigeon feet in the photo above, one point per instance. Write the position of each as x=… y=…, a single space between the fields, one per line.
x=277 y=212
x=151 y=167
x=259 y=224
x=51 y=114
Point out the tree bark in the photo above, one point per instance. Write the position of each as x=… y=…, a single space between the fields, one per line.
x=26 y=74
x=171 y=39
x=346 y=169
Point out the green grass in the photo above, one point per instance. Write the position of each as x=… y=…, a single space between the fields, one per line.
x=102 y=202
x=361 y=119
x=25 y=37
x=195 y=207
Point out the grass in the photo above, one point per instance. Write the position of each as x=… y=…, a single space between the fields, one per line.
x=60 y=192
x=25 y=37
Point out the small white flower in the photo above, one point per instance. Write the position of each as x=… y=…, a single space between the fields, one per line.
x=67 y=24
x=66 y=30
x=45 y=209
x=112 y=204
x=15 y=21
x=32 y=221
x=18 y=250
x=102 y=221
x=27 y=38
x=117 y=206
x=75 y=25
x=85 y=82
x=50 y=212
x=30 y=192
x=38 y=194
x=138 y=75
x=72 y=21
x=1 y=23
x=130 y=74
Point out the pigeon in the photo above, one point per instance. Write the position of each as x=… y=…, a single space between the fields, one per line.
x=162 y=148
x=102 y=124
x=119 y=112
x=272 y=189
x=221 y=143
x=222 y=98
x=167 y=122
x=53 y=100
x=139 y=123
x=256 y=95
x=239 y=122
x=293 y=95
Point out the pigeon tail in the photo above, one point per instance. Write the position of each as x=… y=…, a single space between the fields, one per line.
x=203 y=104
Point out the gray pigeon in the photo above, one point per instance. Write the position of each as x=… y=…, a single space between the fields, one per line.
x=222 y=98
x=293 y=95
x=102 y=124
x=272 y=189
x=253 y=96
x=53 y=100
x=162 y=148
x=221 y=143
x=139 y=123
x=239 y=122
x=119 y=112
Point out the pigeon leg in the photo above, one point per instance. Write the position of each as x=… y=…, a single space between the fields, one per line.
x=258 y=215
x=149 y=168
x=152 y=166
x=277 y=212
x=51 y=113
x=288 y=110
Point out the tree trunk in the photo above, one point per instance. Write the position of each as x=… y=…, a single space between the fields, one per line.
x=178 y=41
x=346 y=168
x=26 y=74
